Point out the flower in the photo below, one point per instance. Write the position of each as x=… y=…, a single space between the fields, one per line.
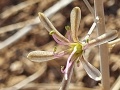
x=74 y=47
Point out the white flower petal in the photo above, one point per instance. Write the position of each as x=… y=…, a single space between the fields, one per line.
x=49 y=26
x=75 y=18
x=103 y=38
x=41 y=56
x=93 y=72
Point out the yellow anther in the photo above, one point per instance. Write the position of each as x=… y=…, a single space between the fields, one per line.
x=87 y=40
x=55 y=49
x=51 y=32
x=62 y=67
x=67 y=27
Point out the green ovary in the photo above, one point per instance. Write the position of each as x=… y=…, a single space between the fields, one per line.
x=78 y=46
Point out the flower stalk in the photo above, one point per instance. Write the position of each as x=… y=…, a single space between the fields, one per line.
x=65 y=83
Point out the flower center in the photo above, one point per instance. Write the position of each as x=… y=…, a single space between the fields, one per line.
x=78 y=46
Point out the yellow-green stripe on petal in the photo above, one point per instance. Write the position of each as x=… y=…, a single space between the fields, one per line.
x=49 y=26
x=103 y=38
x=41 y=56
x=75 y=18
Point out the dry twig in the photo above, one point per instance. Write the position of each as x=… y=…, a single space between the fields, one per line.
x=44 y=86
x=116 y=85
x=89 y=7
x=29 y=79
x=15 y=9
x=15 y=26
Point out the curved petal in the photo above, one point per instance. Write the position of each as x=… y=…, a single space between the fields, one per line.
x=93 y=72
x=104 y=38
x=49 y=26
x=75 y=17
x=40 y=56
x=112 y=43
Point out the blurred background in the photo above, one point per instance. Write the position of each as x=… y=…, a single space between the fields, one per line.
x=21 y=32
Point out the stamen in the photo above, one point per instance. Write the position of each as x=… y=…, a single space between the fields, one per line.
x=69 y=62
x=67 y=27
x=89 y=32
x=62 y=69
x=55 y=49
x=68 y=35
x=58 y=40
x=51 y=32
x=78 y=63
x=60 y=54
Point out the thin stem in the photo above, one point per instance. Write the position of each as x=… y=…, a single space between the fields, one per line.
x=89 y=6
x=90 y=31
x=104 y=62
x=65 y=83
x=28 y=79
x=116 y=85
